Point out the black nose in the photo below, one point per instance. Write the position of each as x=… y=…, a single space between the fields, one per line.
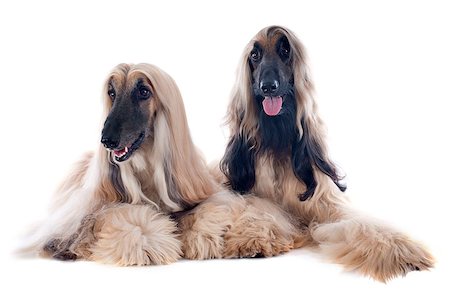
x=109 y=143
x=269 y=87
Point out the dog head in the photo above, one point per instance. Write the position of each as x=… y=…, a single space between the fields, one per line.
x=145 y=116
x=272 y=75
x=132 y=102
x=270 y=62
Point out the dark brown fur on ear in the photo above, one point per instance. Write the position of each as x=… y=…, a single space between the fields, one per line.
x=116 y=180
x=307 y=152
x=238 y=164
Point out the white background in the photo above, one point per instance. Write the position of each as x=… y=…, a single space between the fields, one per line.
x=382 y=74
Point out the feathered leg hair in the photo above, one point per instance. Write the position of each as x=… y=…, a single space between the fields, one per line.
x=230 y=226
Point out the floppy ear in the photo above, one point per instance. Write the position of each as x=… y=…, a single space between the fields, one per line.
x=307 y=152
x=180 y=173
x=238 y=164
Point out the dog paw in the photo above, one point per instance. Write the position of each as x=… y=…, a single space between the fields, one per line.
x=409 y=256
x=270 y=244
x=201 y=234
x=400 y=263
x=66 y=256
x=198 y=245
x=135 y=235
x=59 y=249
x=372 y=250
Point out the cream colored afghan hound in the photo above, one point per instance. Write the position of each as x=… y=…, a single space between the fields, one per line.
x=120 y=205
x=115 y=205
x=277 y=151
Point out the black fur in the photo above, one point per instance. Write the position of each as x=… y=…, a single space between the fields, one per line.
x=277 y=133
x=301 y=164
x=306 y=152
x=239 y=164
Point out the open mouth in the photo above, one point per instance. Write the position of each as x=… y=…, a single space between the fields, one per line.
x=272 y=105
x=125 y=153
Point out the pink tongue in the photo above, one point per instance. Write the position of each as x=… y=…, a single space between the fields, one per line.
x=272 y=105
x=119 y=152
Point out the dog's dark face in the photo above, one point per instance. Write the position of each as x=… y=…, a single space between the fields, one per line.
x=270 y=63
x=130 y=119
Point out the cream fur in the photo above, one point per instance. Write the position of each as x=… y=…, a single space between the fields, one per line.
x=134 y=235
x=125 y=220
x=228 y=226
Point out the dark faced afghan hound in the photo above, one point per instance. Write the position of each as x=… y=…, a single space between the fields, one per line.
x=277 y=152
x=115 y=205
x=121 y=204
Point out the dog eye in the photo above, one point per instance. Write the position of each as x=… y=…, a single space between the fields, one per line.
x=111 y=93
x=255 y=55
x=144 y=93
x=285 y=49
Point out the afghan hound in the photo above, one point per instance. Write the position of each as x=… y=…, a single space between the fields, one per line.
x=277 y=151
x=120 y=205
x=114 y=207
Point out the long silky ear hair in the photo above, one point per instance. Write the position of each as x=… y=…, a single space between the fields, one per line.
x=308 y=149
x=177 y=162
x=238 y=163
